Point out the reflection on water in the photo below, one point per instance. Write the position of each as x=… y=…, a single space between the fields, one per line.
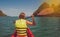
x=47 y=27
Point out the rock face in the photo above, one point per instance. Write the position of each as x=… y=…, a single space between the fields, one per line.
x=43 y=6
x=56 y=12
x=46 y=11
x=2 y=14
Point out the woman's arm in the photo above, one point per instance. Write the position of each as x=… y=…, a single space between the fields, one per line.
x=33 y=21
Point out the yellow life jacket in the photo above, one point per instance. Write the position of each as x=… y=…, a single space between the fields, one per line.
x=21 y=27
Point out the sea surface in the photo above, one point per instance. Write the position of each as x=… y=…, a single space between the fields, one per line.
x=45 y=26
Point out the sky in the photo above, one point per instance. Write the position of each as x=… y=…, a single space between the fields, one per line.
x=15 y=7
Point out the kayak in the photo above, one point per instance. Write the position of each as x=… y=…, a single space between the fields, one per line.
x=29 y=32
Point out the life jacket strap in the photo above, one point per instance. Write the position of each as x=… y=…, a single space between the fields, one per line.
x=21 y=31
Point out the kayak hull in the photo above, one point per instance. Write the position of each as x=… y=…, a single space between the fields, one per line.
x=29 y=32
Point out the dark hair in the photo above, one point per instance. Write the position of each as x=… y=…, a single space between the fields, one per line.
x=22 y=15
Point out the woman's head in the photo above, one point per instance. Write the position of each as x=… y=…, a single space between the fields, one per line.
x=22 y=15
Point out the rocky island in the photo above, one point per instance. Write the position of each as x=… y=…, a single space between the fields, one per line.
x=48 y=10
x=2 y=14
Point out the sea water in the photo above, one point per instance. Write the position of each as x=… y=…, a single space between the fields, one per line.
x=45 y=26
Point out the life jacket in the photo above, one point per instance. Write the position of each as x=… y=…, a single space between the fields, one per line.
x=21 y=27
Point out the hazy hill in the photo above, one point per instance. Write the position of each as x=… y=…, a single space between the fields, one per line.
x=43 y=6
x=56 y=12
x=2 y=14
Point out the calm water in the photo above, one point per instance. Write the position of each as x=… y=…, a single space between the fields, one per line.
x=45 y=26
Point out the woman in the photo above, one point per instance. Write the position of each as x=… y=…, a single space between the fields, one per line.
x=21 y=25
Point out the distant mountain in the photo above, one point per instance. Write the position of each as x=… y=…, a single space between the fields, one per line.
x=56 y=9
x=2 y=14
x=43 y=6
x=56 y=12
